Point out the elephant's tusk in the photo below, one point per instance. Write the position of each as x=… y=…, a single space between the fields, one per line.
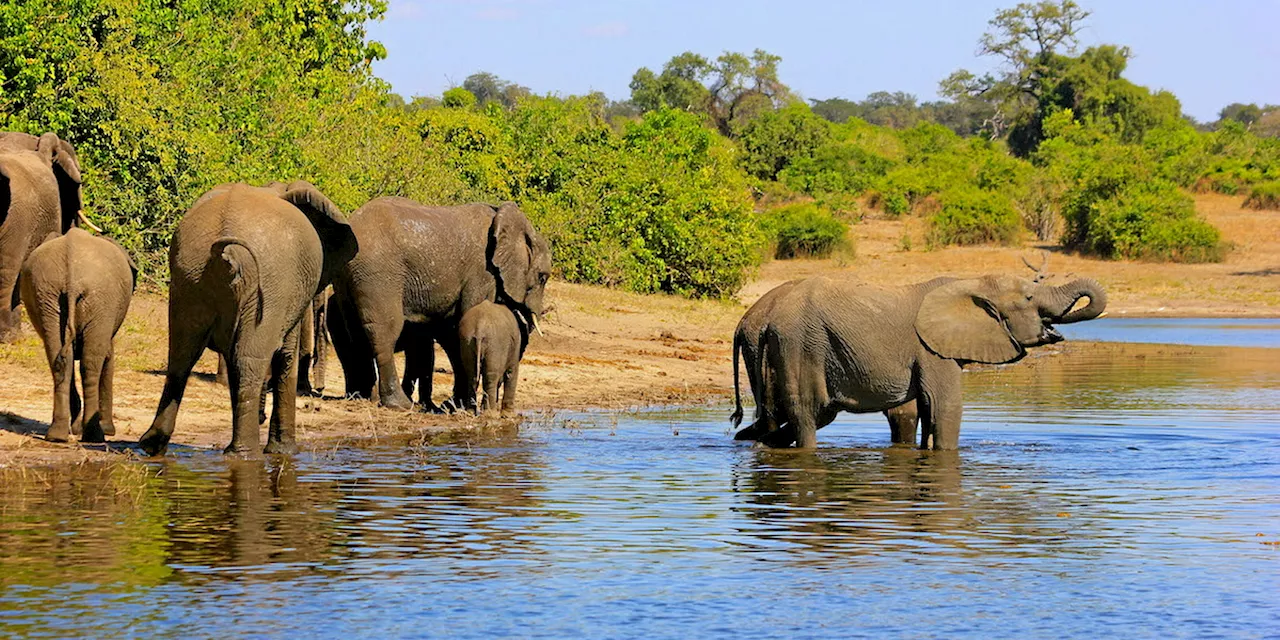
x=1102 y=315
x=533 y=319
x=85 y=221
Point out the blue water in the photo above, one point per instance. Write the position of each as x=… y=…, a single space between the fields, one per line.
x=1110 y=490
x=1221 y=332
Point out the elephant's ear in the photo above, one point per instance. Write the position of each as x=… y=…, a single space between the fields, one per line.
x=329 y=222
x=958 y=321
x=66 y=168
x=512 y=250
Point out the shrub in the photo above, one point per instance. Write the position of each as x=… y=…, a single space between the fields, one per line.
x=1151 y=221
x=458 y=98
x=895 y=203
x=804 y=230
x=1264 y=196
x=973 y=216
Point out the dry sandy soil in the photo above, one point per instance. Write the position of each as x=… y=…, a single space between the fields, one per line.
x=610 y=349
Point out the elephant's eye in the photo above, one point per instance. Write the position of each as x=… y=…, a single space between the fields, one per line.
x=1029 y=298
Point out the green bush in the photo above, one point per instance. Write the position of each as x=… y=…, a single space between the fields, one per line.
x=458 y=98
x=972 y=216
x=1152 y=221
x=804 y=230
x=895 y=203
x=1264 y=196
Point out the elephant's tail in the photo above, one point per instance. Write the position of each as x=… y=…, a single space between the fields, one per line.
x=736 y=418
x=478 y=396
x=246 y=279
x=64 y=362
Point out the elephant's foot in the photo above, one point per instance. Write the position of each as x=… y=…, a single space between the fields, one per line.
x=58 y=433
x=779 y=438
x=93 y=432
x=153 y=442
x=241 y=450
x=396 y=400
x=753 y=431
x=108 y=428
x=277 y=447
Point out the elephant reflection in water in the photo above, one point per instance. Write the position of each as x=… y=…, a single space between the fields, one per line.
x=886 y=500
x=263 y=514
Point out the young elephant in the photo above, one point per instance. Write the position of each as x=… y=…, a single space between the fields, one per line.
x=245 y=264
x=492 y=339
x=77 y=289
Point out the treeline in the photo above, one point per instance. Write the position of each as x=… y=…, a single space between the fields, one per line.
x=674 y=189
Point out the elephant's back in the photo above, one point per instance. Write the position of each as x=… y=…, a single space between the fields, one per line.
x=282 y=239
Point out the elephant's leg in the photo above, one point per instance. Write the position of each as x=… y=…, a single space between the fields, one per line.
x=943 y=404
x=491 y=376
x=306 y=353
x=247 y=371
x=281 y=436
x=13 y=315
x=61 y=364
x=106 y=393
x=185 y=349
x=902 y=423
x=77 y=416
x=382 y=324
x=417 y=359
x=452 y=347
x=221 y=377
x=320 y=352
x=509 y=384
x=91 y=365
x=353 y=354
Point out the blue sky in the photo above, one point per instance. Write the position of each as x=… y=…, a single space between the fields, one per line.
x=1208 y=53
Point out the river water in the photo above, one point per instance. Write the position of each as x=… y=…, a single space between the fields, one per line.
x=1108 y=490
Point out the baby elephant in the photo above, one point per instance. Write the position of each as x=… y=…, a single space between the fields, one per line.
x=492 y=340
x=77 y=289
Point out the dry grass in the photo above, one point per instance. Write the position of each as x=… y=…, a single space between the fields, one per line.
x=611 y=349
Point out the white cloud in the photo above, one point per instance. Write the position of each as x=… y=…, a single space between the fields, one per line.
x=607 y=30
x=405 y=10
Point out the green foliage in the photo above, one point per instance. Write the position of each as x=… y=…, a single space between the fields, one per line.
x=804 y=230
x=973 y=216
x=1151 y=221
x=1264 y=196
x=458 y=98
x=779 y=138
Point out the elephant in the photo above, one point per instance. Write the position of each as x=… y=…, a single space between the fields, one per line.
x=826 y=346
x=419 y=269
x=39 y=195
x=492 y=340
x=245 y=265
x=77 y=288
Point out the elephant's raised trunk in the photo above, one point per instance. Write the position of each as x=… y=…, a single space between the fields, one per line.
x=1056 y=302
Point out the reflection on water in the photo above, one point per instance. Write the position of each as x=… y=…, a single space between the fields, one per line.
x=1113 y=487
x=1219 y=332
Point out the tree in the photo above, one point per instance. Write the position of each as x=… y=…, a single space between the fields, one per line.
x=1029 y=39
x=729 y=91
x=487 y=87
x=836 y=110
x=459 y=98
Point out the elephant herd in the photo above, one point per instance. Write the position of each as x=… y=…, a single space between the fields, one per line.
x=250 y=268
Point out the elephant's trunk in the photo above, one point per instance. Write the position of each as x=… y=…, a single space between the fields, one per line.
x=1056 y=302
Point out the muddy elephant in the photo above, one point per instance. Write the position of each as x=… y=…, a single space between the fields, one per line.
x=77 y=288
x=39 y=195
x=423 y=267
x=828 y=346
x=245 y=264
x=491 y=341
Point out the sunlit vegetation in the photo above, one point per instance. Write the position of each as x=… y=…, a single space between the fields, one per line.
x=668 y=190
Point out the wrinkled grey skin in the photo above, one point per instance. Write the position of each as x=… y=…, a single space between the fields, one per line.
x=313 y=353
x=419 y=269
x=39 y=195
x=826 y=346
x=491 y=340
x=245 y=264
x=77 y=289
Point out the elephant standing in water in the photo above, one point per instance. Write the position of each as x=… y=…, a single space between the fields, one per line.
x=77 y=289
x=419 y=269
x=823 y=346
x=39 y=195
x=245 y=264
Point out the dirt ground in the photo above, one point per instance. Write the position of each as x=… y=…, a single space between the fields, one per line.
x=615 y=350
